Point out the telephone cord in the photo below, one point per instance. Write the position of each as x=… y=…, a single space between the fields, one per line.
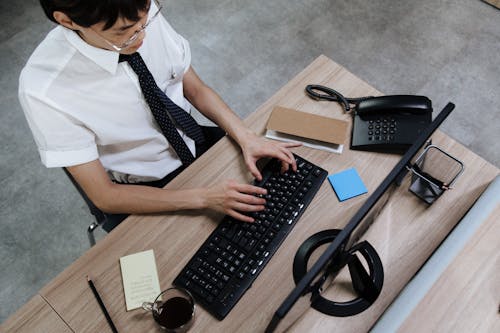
x=328 y=94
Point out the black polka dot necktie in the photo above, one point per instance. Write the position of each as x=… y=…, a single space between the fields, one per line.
x=165 y=111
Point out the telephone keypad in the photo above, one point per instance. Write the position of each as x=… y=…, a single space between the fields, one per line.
x=382 y=129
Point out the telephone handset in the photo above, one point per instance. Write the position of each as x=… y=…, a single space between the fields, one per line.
x=404 y=104
x=384 y=123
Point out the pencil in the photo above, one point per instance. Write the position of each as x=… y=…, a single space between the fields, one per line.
x=101 y=304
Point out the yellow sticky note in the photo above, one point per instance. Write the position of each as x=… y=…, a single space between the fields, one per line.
x=140 y=278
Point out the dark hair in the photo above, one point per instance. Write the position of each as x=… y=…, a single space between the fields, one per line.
x=90 y=12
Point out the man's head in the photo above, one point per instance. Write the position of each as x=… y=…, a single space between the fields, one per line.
x=108 y=24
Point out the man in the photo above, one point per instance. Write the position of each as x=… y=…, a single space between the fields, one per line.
x=96 y=116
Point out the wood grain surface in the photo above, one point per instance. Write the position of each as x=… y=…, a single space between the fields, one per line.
x=466 y=298
x=35 y=316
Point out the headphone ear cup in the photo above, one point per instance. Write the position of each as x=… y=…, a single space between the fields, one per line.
x=307 y=248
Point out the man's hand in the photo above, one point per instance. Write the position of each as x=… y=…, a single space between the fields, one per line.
x=255 y=147
x=235 y=199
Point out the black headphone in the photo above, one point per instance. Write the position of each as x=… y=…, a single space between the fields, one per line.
x=367 y=285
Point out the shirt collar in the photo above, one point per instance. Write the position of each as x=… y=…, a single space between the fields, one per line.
x=106 y=59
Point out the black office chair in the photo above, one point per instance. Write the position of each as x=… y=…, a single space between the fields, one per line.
x=106 y=221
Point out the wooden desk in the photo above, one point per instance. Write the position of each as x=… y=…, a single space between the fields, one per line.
x=35 y=316
x=408 y=231
x=466 y=297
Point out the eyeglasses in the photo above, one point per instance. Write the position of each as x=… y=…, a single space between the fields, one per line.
x=136 y=34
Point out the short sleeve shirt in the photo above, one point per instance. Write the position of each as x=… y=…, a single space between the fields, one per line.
x=82 y=104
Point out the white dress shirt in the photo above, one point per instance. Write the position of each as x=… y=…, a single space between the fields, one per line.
x=82 y=105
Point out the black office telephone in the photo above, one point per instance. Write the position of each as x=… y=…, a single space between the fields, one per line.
x=390 y=123
x=386 y=123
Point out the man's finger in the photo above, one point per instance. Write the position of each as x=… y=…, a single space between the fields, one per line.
x=250 y=189
x=291 y=144
x=243 y=207
x=239 y=216
x=254 y=171
x=249 y=199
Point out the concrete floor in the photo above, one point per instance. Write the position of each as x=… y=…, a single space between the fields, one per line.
x=447 y=50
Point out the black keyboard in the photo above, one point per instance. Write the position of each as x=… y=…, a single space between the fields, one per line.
x=234 y=254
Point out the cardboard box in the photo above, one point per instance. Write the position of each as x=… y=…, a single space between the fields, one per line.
x=311 y=130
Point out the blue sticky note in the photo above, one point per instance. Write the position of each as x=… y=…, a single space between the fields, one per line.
x=347 y=184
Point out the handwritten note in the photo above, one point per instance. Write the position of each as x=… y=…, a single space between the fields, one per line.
x=140 y=278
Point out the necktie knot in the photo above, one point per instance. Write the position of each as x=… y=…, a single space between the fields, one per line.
x=130 y=58
x=123 y=57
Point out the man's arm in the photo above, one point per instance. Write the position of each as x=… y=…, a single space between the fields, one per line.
x=253 y=146
x=228 y=197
